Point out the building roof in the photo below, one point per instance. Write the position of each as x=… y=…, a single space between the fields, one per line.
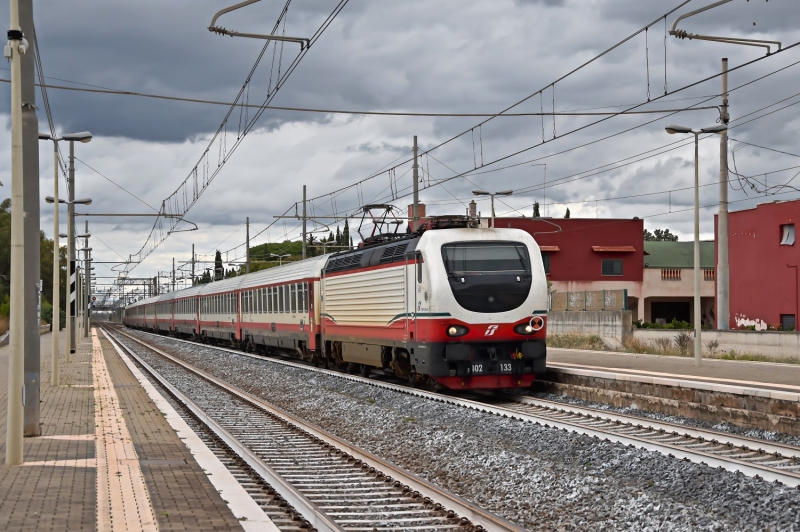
x=677 y=254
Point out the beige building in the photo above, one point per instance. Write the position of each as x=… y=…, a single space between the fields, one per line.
x=667 y=290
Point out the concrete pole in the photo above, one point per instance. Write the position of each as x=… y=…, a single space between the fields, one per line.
x=415 y=206
x=723 y=269
x=247 y=246
x=87 y=282
x=173 y=274
x=698 y=345
x=54 y=370
x=71 y=251
x=192 y=264
x=304 y=222
x=16 y=359
x=30 y=204
x=492 y=196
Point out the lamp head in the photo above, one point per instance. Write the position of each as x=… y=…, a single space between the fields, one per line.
x=479 y=192
x=715 y=129
x=83 y=201
x=504 y=193
x=83 y=136
x=63 y=235
x=672 y=129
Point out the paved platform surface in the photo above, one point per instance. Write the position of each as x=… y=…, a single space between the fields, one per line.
x=743 y=374
x=57 y=488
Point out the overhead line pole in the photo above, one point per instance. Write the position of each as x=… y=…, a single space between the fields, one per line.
x=30 y=225
x=304 y=225
x=247 y=246
x=16 y=359
x=723 y=268
x=415 y=205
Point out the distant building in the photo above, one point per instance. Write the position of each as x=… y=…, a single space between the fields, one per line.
x=592 y=254
x=764 y=258
x=668 y=286
x=587 y=254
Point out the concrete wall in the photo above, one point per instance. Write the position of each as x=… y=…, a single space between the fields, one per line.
x=767 y=343
x=615 y=325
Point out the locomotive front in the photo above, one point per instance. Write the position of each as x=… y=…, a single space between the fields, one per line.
x=481 y=313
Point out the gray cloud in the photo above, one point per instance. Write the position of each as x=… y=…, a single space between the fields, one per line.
x=419 y=56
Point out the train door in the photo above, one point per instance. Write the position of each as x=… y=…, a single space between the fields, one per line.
x=419 y=300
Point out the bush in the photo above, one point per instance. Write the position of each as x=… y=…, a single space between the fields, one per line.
x=684 y=342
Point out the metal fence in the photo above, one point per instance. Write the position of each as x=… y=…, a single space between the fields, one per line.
x=589 y=300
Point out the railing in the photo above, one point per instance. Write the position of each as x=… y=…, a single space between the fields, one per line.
x=670 y=274
x=709 y=275
x=589 y=300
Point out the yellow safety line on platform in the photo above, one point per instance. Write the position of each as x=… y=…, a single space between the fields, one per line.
x=122 y=499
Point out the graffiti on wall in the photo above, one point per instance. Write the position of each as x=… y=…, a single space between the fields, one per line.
x=743 y=321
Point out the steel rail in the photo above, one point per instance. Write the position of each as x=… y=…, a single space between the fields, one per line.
x=598 y=426
x=477 y=516
x=310 y=511
x=276 y=509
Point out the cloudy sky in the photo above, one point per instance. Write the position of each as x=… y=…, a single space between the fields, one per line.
x=442 y=56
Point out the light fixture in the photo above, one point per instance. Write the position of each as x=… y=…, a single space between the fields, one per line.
x=83 y=136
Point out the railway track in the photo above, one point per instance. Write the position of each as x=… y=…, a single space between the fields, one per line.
x=773 y=462
x=323 y=482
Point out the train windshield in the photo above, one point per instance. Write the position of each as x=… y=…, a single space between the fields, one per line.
x=485 y=258
x=488 y=277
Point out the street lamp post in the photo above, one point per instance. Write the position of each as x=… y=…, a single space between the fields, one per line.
x=56 y=319
x=70 y=287
x=84 y=137
x=673 y=129
x=479 y=192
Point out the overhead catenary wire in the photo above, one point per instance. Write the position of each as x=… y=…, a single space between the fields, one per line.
x=472 y=171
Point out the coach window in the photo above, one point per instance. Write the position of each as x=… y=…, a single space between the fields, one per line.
x=293 y=297
x=280 y=299
x=612 y=267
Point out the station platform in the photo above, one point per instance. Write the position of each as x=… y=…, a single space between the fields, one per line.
x=764 y=379
x=107 y=458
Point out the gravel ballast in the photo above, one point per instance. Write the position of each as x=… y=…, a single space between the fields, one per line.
x=540 y=478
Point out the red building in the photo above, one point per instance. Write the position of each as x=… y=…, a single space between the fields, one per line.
x=588 y=253
x=764 y=260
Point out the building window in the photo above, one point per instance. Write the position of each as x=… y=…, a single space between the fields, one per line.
x=788 y=322
x=546 y=262
x=612 y=267
x=787 y=235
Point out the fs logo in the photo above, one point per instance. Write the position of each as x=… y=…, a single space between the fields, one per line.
x=490 y=330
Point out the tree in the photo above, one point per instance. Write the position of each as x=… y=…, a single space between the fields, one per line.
x=338 y=236
x=219 y=271
x=536 y=210
x=205 y=278
x=567 y=215
x=346 y=234
x=660 y=235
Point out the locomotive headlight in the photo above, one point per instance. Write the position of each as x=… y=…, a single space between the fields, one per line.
x=524 y=328
x=457 y=330
x=491 y=299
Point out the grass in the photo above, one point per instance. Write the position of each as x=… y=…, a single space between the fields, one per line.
x=577 y=341
x=678 y=345
x=3 y=324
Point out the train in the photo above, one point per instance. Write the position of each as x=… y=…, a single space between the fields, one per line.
x=453 y=307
